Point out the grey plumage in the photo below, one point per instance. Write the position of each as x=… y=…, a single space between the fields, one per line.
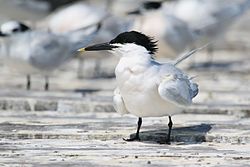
x=36 y=51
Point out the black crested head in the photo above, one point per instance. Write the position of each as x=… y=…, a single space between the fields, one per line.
x=152 y=5
x=137 y=38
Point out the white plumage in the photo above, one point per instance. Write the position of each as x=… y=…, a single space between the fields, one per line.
x=73 y=17
x=149 y=88
x=145 y=87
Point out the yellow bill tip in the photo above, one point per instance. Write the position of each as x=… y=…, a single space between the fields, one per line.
x=81 y=50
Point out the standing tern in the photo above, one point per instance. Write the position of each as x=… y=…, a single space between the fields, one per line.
x=73 y=17
x=35 y=51
x=145 y=87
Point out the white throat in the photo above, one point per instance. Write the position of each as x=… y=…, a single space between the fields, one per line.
x=131 y=50
x=134 y=59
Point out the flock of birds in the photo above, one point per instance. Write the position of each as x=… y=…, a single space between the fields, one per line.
x=145 y=87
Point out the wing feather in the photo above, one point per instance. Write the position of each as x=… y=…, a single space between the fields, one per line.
x=178 y=89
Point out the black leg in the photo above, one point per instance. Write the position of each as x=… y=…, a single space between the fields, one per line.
x=46 y=87
x=136 y=137
x=28 y=82
x=170 y=124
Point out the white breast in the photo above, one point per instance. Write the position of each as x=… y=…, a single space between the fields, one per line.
x=138 y=84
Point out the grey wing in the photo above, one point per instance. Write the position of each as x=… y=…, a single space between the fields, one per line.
x=177 y=89
x=48 y=51
x=82 y=37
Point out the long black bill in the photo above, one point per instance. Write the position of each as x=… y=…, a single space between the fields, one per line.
x=136 y=12
x=102 y=46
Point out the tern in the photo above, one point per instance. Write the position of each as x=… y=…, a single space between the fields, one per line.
x=210 y=19
x=186 y=24
x=212 y=16
x=145 y=87
x=31 y=52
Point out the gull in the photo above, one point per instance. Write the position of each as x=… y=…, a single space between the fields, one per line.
x=34 y=51
x=145 y=87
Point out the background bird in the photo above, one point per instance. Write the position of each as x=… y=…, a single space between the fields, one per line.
x=35 y=51
x=210 y=19
x=12 y=27
x=145 y=87
x=186 y=24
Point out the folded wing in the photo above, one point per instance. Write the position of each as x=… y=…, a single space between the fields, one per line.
x=178 y=89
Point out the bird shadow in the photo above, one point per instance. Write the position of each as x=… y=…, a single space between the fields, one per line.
x=86 y=91
x=186 y=135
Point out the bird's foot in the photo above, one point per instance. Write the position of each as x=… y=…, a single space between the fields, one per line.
x=135 y=138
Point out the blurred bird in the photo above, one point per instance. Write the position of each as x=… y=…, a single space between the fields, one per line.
x=145 y=87
x=34 y=51
x=186 y=24
x=70 y=18
x=173 y=34
x=210 y=19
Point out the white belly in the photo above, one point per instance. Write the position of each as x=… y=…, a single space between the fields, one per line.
x=138 y=79
x=147 y=103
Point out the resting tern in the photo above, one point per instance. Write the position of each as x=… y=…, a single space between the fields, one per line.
x=145 y=87
x=35 y=51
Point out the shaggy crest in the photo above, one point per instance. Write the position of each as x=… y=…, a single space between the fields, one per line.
x=138 y=38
